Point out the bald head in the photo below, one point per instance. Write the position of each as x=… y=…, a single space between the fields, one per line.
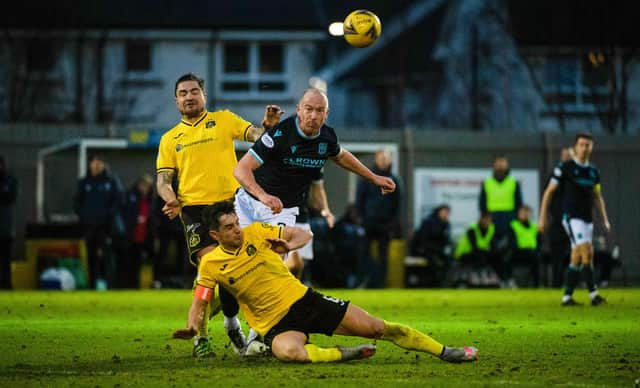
x=314 y=93
x=312 y=111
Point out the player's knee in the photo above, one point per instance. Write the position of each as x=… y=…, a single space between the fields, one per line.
x=289 y=352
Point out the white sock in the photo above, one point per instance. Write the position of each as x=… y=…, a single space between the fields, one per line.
x=593 y=294
x=231 y=323
x=252 y=335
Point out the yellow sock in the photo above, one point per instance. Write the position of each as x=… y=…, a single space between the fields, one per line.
x=411 y=339
x=318 y=354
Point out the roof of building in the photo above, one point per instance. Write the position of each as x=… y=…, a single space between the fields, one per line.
x=540 y=22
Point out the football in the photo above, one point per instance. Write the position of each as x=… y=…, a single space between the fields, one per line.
x=361 y=28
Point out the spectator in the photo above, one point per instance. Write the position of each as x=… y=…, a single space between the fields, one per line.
x=379 y=214
x=478 y=262
x=97 y=202
x=8 y=196
x=350 y=246
x=523 y=244
x=432 y=241
x=171 y=268
x=500 y=195
x=138 y=224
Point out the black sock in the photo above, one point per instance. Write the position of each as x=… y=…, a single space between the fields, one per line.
x=589 y=278
x=571 y=279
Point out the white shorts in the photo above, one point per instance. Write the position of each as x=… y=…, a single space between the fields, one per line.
x=306 y=251
x=579 y=231
x=251 y=210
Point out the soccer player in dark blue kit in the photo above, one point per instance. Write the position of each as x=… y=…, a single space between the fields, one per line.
x=279 y=168
x=580 y=182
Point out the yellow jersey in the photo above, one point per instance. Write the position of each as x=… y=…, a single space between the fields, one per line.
x=255 y=275
x=203 y=156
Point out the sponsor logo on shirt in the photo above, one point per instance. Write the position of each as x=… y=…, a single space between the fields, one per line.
x=267 y=141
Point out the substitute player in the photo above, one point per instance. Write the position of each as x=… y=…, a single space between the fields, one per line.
x=580 y=183
x=282 y=309
x=201 y=151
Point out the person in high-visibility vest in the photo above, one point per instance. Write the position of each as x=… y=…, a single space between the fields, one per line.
x=524 y=242
x=500 y=195
x=476 y=249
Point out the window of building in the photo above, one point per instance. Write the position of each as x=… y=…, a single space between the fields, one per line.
x=138 y=55
x=253 y=70
x=40 y=56
x=574 y=83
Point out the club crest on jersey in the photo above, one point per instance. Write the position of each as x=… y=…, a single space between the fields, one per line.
x=267 y=141
x=178 y=147
x=194 y=239
x=293 y=149
x=322 y=148
x=278 y=133
x=251 y=250
x=210 y=124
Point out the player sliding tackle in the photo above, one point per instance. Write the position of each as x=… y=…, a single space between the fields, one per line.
x=282 y=309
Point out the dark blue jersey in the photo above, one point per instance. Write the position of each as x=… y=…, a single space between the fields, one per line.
x=578 y=183
x=290 y=160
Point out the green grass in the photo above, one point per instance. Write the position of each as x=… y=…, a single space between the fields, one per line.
x=122 y=338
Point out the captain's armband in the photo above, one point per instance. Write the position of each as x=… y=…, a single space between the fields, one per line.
x=203 y=293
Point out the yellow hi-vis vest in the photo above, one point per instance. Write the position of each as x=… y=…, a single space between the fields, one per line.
x=483 y=243
x=526 y=238
x=501 y=196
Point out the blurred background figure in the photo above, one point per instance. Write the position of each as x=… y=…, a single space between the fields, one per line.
x=137 y=215
x=350 y=245
x=606 y=257
x=558 y=244
x=98 y=203
x=379 y=214
x=478 y=263
x=8 y=196
x=432 y=240
x=523 y=247
x=500 y=195
x=171 y=268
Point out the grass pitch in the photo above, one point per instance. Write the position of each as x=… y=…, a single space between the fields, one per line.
x=122 y=339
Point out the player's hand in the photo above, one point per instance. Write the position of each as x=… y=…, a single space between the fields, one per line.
x=607 y=226
x=331 y=219
x=386 y=184
x=279 y=245
x=184 y=333
x=171 y=208
x=272 y=114
x=272 y=202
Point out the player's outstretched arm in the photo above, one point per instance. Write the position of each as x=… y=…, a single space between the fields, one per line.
x=272 y=114
x=348 y=161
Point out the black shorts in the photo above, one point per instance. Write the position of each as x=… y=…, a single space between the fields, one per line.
x=313 y=313
x=195 y=232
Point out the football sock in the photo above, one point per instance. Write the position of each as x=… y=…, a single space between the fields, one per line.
x=571 y=279
x=231 y=323
x=589 y=278
x=318 y=354
x=409 y=338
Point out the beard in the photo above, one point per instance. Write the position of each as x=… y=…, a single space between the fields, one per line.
x=192 y=110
